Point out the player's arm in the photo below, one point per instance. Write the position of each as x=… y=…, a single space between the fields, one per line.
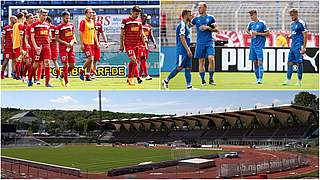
x=2 y=40
x=305 y=40
x=185 y=45
x=105 y=38
x=26 y=40
x=96 y=38
x=266 y=33
x=33 y=40
x=153 y=39
x=57 y=38
x=21 y=41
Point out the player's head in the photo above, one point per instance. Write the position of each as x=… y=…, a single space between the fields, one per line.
x=25 y=13
x=29 y=18
x=49 y=20
x=94 y=14
x=65 y=16
x=43 y=14
x=253 y=15
x=36 y=17
x=13 y=20
x=293 y=12
x=186 y=15
x=145 y=18
x=202 y=7
x=88 y=12
x=135 y=12
x=20 y=17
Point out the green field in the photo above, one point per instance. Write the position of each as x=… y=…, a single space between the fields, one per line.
x=98 y=158
x=229 y=80
x=77 y=84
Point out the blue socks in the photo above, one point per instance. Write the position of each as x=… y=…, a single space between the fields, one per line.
x=211 y=74
x=300 y=71
x=202 y=75
x=256 y=71
x=289 y=72
x=260 y=71
x=172 y=74
x=187 y=74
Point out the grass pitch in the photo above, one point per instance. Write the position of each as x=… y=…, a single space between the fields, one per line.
x=77 y=84
x=97 y=158
x=230 y=80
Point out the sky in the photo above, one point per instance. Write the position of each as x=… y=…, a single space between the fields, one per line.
x=154 y=102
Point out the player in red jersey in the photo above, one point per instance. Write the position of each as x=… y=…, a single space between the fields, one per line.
x=66 y=38
x=6 y=44
x=40 y=38
x=30 y=48
x=39 y=70
x=53 y=46
x=147 y=30
x=28 y=45
x=87 y=39
x=130 y=38
x=17 y=45
x=99 y=31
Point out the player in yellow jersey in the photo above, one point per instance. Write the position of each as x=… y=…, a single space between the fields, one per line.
x=17 y=45
x=87 y=38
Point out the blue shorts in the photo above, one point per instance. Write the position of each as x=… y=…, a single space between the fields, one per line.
x=295 y=56
x=204 y=50
x=256 y=54
x=184 y=61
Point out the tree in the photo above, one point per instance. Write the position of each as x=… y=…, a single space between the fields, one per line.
x=306 y=99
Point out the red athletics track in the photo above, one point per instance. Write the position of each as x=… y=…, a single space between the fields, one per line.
x=247 y=155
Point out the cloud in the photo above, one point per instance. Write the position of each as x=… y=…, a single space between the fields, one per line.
x=63 y=100
x=103 y=100
x=276 y=102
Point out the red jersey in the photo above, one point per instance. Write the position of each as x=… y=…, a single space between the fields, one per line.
x=99 y=30
x=53 y=42
x=41 y=31
x=132 y=31
x=28 y=33
x=65 y=32
x=147 y=30
x=7 y=31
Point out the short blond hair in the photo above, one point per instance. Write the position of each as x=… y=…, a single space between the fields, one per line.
x=293 y=10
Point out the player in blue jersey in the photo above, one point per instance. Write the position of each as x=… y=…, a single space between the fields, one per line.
x=298 y=46
x=205 y=24
x=258 y=31
x=183 y=52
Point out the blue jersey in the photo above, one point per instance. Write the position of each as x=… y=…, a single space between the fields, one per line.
x=298 y=27
x=204 y=37
x=258 y=41
x=182 y=29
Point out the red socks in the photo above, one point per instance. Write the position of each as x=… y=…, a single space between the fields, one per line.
x=47 y=74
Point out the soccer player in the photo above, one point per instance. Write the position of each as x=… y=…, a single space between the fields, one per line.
x=6 y=44
x=147 y=30
x=130 y=39
x=66 y=38
x=183 y=52
x=53 y=46
x=40 y=37
x=258 y=31
x=87 y=39
x=298 y=46
x=99 y=31
x=205 y=24
x=29 y=47
x=17 y=44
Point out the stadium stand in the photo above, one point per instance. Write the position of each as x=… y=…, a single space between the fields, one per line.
x=242 y=126
x=233 y=15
